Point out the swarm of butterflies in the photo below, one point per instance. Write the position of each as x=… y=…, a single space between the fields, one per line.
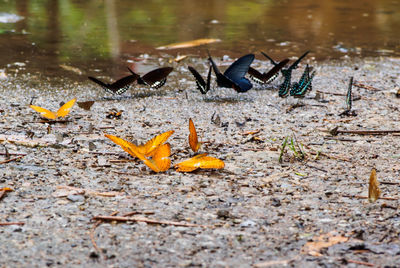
x=233 y=77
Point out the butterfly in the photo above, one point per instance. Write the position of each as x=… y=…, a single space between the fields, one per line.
x=305 y=83
x=193 y=140
x=349 y=100
x=271 y=75
x=118 y=87
x=159 y=161
x=62 y=112
x=373 y=190
x=154 y=79
x=199 y=161
x=233 y=77
x=287 y=74
x=201 y=84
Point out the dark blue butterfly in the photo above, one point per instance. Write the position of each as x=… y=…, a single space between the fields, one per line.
x=233 y=77
x=287 y=74
x=349 y=101
x=271 y=75
x=201 y=84
x=300 y=88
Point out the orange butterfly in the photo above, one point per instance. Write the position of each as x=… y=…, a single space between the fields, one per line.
x=199 y=161
x=155 y=148
x=193 y=141
x=373 y=190
x=62 y=112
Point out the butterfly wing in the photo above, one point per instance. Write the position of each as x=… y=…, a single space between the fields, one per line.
x=199 y=161
x=239 y=68
x=122 y=85
x=373 y=191
x=44 y=112
x=255 y=75
x=285 y=86
x=201 y=84
x=161 y=158
x=105 y=86
x=222 y=80
x=148 y=148
x=294 y=65
x=274 y=72
x=125 y=145
x=270 y=59
x=155 y=78
x=193 y=140
x=348 y=95
x=86 y=105
x=64 y=110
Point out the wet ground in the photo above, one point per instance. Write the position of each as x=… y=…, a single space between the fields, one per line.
x=255 y=211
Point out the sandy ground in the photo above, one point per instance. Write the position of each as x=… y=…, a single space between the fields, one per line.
x=256 y=211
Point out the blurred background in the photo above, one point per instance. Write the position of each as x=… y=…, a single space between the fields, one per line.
x=41 y=35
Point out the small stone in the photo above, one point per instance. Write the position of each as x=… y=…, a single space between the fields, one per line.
x=76 y=198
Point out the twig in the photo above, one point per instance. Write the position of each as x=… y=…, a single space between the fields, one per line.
x=143 y=219
x=13 y=154
x=361 y=263
x=361 y=85
x=366 y=197
x=331 y=93
x=83 y=191
x=12 y=159
x=11 y=223
x=389 y=182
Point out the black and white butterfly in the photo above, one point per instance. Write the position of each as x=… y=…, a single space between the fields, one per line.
x=271 y=75
x=119 y=86
x=203 y=86
x=287 y=74
x=155 y=78
x=233 y=77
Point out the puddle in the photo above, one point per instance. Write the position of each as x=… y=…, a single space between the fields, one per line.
x=105 y=36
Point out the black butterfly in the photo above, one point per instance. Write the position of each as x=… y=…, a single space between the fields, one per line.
x=201 y=84
x=287 y=74
x=233 y=77
x=271 y=75
x=119 y=86
x=155 y=78
x=305 y=83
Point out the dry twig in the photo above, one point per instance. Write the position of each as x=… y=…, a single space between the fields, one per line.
x=361 y=263
x=11 y=223
x=366 y=197
x=12 y=159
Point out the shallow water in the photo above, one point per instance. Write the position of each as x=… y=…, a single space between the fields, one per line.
x=104 y=35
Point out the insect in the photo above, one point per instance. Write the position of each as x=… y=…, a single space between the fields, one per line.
x=233 y=77
x=202 y=85
x=193 y=140
x=86 y=105
x=62 y=112
x=300 y=88
x=287 y=74
x=118 y=87
x=349 y=101
x=154 y=148
x=373 y=189
x=271 y=75
x=114 y=114
x=199 y=161
x=154 y=79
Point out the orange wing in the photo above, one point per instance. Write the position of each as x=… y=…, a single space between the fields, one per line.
x=160 y=161
x=193 y=140
x=200 y=161
x=44 y=112
x=148 y=148
x=373 y=190
x=64 y=110
x=126 y=145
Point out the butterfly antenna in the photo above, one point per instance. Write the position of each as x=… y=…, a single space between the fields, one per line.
x=270 y=59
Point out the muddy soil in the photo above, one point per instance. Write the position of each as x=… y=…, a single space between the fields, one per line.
x=256 y=211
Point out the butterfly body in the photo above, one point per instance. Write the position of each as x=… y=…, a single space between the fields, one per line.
x=62 y=112
x=155 y=78
x=233 y=77
x=300 y=88
x=271 y=75
x=202 y=85
x=118 y=87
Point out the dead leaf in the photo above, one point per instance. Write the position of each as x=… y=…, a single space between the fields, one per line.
x=193 y=43
x=71 y=69
x=323 y=241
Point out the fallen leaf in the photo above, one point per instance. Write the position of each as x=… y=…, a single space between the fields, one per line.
x=193 y=43
x=323 y=241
